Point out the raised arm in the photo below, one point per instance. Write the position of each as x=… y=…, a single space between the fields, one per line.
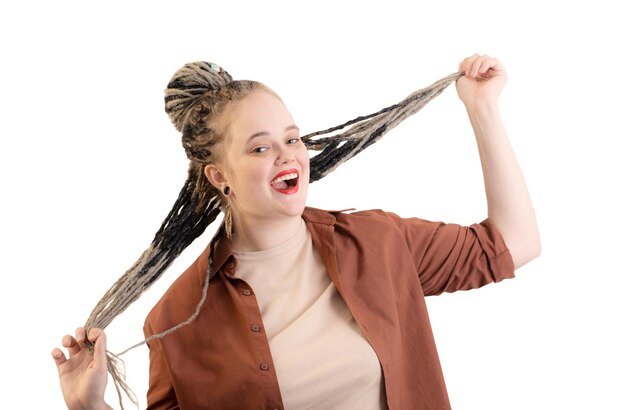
x=508 y=201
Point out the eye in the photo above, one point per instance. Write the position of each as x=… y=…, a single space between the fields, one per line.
x=259 y=150
x=293 y=140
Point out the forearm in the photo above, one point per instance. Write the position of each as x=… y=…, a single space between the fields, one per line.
x=508 y=200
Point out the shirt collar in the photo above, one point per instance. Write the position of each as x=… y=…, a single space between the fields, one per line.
x=220 y=253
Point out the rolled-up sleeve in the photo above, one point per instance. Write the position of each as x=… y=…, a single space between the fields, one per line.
x=451 y=257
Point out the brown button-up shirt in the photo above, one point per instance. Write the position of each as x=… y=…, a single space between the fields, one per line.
x=382 y=266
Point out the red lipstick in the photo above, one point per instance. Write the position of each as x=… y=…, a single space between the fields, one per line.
x=286 y=182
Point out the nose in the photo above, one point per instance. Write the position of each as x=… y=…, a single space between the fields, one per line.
x=284 y=156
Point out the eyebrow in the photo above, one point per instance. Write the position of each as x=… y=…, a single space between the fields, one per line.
x=262 y=133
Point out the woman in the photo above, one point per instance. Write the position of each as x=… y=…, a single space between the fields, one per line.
x=308 y=308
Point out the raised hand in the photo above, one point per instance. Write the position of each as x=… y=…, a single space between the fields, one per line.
x=83 y=376
x=483 y=81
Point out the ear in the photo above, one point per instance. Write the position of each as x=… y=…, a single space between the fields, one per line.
x=216 y=177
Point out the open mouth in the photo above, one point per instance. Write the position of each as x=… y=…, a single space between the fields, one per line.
x=286 y=182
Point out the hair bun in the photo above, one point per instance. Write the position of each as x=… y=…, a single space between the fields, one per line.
x=187 y=86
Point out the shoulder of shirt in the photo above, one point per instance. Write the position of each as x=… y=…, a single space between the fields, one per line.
x=173 y=302
x=349 y=215
x=368 y=222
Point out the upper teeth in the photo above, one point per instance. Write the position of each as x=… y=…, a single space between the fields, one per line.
x=285 y=177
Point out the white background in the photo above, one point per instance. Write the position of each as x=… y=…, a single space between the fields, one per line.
x=90 y=165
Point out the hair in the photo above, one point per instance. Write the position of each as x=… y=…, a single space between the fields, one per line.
x=198 y=99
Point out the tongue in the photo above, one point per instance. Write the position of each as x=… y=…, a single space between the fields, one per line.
x=281 y=186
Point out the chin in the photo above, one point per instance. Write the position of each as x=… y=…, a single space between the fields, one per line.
x=294 y=204
x=294 y=209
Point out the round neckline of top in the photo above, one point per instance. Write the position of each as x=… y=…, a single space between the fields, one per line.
x=277 y=250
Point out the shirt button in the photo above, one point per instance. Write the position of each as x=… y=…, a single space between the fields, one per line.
x=247 y=292
x=255 y=328
x=264 y=366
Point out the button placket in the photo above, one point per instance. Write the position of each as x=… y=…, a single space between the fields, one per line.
x=260 y=342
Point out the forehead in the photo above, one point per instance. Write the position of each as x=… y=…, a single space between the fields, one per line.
x=260 y=111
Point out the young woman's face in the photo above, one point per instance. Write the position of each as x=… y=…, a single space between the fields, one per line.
x=264 y=162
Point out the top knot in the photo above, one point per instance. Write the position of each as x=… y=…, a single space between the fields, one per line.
x=188 y=84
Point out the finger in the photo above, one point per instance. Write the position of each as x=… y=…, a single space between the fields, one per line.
x=80 y=334
x=495 y=65
x=467 y=62
x=71 y=344
x=58 y=356
x=476 y=66
x=99 y=339
x=486 y=65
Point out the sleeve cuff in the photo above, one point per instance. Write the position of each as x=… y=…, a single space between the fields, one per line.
x=498 y=255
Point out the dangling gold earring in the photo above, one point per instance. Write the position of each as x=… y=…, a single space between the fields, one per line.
x=228 y=216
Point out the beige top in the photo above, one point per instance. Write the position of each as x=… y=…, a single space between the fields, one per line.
x=320 y=355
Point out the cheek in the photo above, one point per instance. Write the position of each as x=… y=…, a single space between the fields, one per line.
x=303 y=158
x=251 y=178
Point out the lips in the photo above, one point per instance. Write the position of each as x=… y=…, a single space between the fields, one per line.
x=286 y=182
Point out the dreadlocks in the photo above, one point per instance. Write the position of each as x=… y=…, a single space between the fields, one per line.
x=196 y=98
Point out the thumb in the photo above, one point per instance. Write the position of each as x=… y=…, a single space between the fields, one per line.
x=99 y=339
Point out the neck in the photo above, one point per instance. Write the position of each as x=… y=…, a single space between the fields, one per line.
x=256 y=234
